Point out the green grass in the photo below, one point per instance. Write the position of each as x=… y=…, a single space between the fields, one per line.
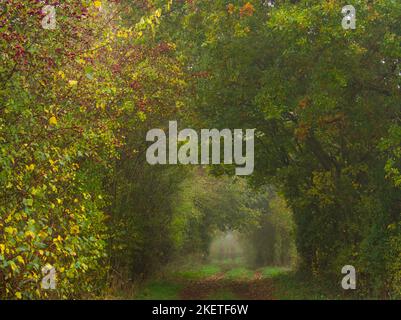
x=239 y=273
x=160 y=290
x=287 y=284
x=270 y=272
x=199 y=272
x=290 y=286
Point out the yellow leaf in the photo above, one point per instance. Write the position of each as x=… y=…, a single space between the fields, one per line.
x=29 y=234
x=75 y=229
x=31 y=167
x=10 y=230
x=98 y=4
x=18 y=295
x=73 y=83
x=9 y=218
x=53 y=121
x=13 y=266
x=20 y=260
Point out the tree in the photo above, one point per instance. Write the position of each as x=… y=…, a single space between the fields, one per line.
x=325 y=105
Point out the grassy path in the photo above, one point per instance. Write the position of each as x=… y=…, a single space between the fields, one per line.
x=214 y=281
x=231 y=281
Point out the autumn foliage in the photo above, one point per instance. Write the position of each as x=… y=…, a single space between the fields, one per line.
x=76 y=103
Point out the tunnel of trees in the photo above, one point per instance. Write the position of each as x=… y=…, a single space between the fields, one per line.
x=76 y=103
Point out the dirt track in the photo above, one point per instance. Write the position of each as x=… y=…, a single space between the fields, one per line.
x=249 y=289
